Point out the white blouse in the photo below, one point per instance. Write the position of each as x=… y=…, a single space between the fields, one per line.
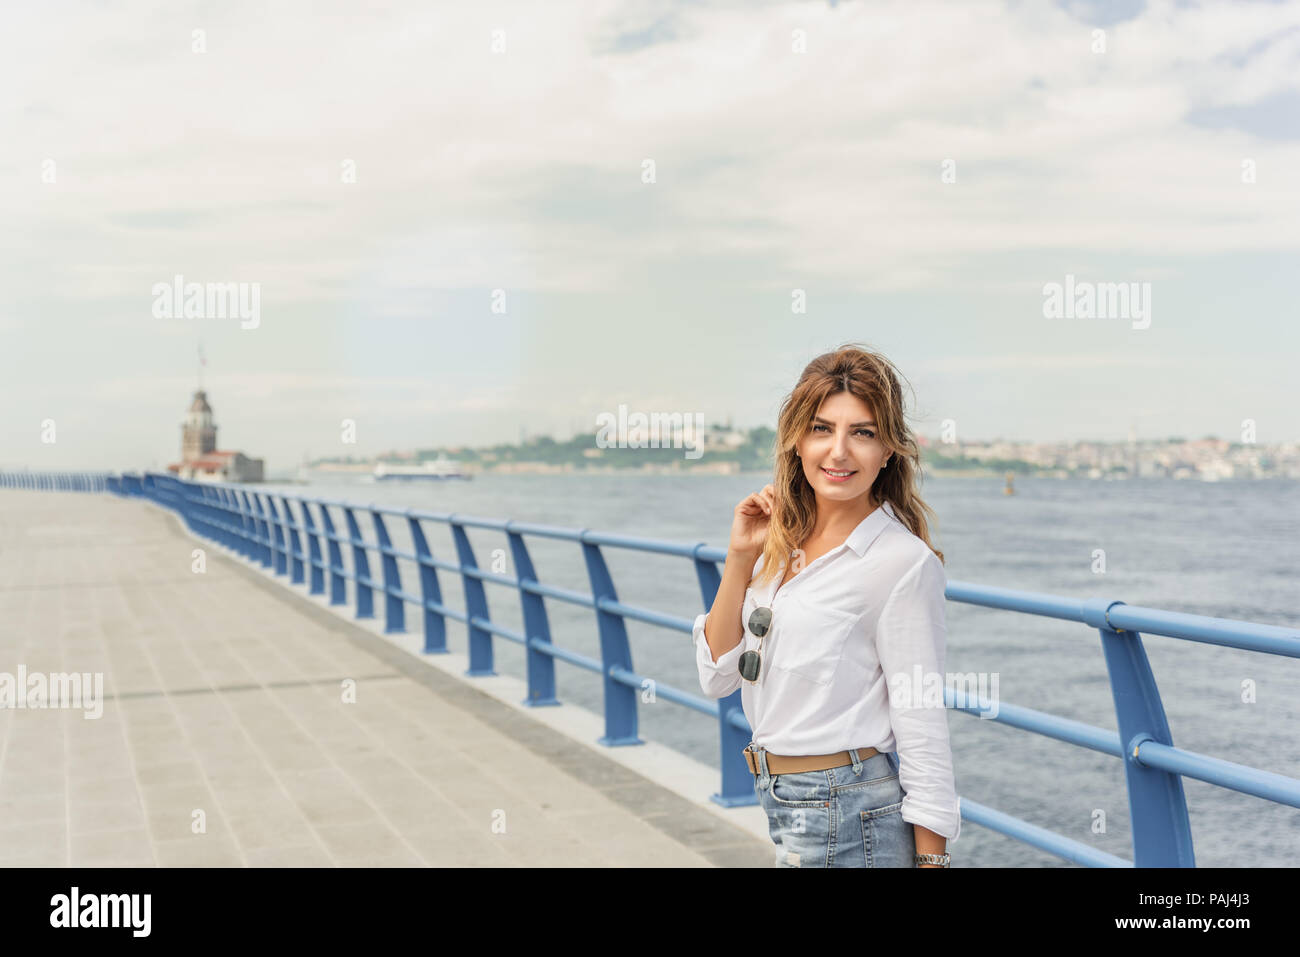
x=872 y=607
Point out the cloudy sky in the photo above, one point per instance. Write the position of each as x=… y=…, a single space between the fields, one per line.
x=647 y=183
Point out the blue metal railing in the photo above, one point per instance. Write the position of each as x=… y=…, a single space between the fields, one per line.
x=57 y=481
x=250 y=523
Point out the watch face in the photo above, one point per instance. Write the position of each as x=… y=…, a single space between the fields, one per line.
x=749 y=665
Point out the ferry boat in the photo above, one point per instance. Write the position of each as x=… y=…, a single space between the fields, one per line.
x=441 y=468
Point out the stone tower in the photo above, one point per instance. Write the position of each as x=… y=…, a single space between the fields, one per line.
x=198 y=434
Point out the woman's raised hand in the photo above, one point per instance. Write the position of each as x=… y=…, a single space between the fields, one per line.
x=752 y=518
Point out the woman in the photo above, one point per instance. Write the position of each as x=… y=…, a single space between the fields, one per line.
x=851 y=763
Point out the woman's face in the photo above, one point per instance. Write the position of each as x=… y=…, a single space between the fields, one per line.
x=842 y=438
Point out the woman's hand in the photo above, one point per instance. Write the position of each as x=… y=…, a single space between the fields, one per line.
x=752 y=518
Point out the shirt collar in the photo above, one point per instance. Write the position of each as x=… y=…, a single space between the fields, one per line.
x=860 y=538
x=870 y=527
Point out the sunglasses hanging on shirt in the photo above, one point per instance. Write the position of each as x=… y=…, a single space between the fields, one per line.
x=751 y=662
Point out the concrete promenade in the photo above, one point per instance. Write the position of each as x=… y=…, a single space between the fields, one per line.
x=224 y=706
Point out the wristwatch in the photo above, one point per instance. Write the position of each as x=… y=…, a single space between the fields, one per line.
x=944 y=860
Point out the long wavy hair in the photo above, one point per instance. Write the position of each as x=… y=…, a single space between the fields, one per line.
x=874 y=380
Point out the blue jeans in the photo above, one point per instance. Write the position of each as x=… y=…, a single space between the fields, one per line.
x=849 y=816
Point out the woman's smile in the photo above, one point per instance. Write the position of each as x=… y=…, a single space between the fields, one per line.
x=839 y=475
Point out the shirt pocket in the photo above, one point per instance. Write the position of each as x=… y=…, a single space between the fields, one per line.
x=812 y=640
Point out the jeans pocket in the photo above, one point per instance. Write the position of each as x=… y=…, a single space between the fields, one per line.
x=887 y=839
x=869 y=779
x=799 y=818
x=805 y=789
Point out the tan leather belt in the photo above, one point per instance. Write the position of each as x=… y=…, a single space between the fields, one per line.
x=776 y=764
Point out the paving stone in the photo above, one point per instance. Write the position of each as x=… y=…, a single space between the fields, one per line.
x=292 y=856
x=106 y=816
x=199 y=850
x=275 y=828
x=353 y=843
x=113 y=849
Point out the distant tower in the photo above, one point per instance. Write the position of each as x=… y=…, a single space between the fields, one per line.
x=198 y=434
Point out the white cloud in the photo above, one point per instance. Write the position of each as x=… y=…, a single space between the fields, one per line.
x=837 y=151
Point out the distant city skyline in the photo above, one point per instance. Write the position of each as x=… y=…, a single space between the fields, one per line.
x=681 y=446
x=666 y=205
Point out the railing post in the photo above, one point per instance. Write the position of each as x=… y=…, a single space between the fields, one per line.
x=263 y=529
x=537 y=627
x=338 y=590
x=277 y=531
x=435 y=622
x=360 y=567
x=205 y=514
x=737 y=780
x=1162 y=833
x=221 y=503
x=251 y=526
x=247 y=527
x=176 y=497
x=313 y=546
x=295 y=544
x=234 y=521
x=476 y=606
x=620 y=699
x=394 y=607
x=192 y=497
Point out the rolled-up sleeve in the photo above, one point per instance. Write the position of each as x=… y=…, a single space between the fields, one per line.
x=717 y=678
x=912 y=633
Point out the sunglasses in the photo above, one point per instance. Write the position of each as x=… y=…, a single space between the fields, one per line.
x=760 y=621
